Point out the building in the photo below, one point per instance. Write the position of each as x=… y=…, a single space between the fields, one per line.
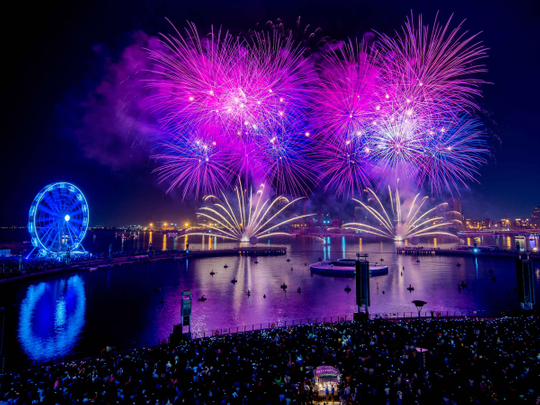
x=165 y=226
x=535 y=217
x=477 y=224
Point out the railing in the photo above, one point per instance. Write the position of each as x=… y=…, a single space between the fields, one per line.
x=90 y=353
x=346 y=318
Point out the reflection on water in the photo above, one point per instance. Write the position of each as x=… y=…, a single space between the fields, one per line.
x=139 y=304
x=51 y=318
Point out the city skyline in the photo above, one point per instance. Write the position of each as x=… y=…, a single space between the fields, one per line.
x=49 y=146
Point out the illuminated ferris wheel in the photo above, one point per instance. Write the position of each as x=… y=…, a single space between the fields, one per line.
x=58 y=220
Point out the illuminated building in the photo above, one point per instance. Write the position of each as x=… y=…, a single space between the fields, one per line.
x=535 y=217
x=163 y=225
x=477 y=224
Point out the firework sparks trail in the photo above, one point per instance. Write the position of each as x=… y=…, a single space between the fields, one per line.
x=343 y=112
x=402 y=226
x=253 y=217
x=431 y=68
x=453 y=153
x=195 y=162
x=402 y=108
x=248 y=92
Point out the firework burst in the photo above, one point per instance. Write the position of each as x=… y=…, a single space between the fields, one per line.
x=453 y=152
x=433 y=68
x=195 y=162
x=404 y=223
x=255 y=216
x=248 y=92
x=402 y=108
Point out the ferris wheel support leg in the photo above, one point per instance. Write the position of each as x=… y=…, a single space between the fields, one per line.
x=30 y=254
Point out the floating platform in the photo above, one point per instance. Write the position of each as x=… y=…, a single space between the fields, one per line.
x=344 y=268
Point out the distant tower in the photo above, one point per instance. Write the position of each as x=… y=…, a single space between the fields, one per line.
x=535 y=217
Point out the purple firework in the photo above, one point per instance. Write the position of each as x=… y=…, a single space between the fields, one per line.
x=430 y=68
x=195 y=162
x=344 y=111
x=379 y=108
x=453 y=153
x=242 y=91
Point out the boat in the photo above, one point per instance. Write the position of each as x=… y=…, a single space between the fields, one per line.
x=344 y=268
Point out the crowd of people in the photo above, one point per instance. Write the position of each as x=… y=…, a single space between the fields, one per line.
x=466 y=361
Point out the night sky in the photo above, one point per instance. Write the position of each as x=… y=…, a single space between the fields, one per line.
x=55 y=126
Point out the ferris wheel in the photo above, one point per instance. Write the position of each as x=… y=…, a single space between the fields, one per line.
x=58 y=220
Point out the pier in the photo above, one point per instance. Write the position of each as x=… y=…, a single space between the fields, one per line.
x=96 y=264
x=476 y=252
x=243 y=251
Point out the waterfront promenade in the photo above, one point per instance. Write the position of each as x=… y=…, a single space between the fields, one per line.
x=92 y=264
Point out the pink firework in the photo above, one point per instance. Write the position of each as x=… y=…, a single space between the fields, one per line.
x=249 y=93
x=343 y=115
x=431 y=68
x=234 y=86
x=378 y=108
x=347 y=97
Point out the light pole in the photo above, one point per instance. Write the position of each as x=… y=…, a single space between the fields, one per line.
x=2 y=363
x=419 y=304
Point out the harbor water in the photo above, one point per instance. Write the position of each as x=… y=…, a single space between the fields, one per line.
x=138 y=304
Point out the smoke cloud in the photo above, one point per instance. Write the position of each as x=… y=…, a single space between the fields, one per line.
x=118 y=126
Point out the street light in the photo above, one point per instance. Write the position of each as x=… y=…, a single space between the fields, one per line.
x=2 y=363
x=419 y=304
